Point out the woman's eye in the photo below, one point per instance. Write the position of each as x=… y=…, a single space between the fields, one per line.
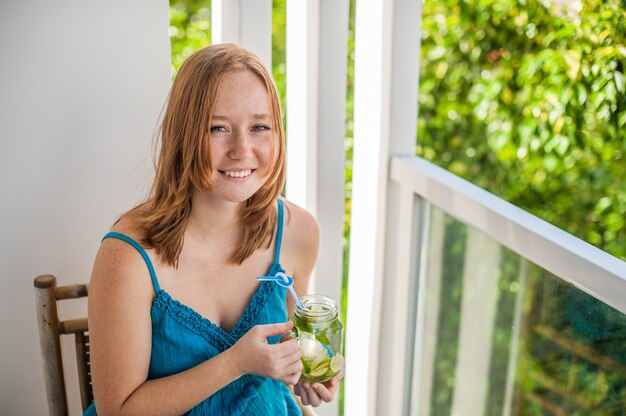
x=261 y=127
x=218 y=129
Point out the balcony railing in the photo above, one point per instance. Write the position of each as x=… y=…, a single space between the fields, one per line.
x=492 y=310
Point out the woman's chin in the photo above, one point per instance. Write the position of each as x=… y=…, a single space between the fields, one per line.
x=236 y=197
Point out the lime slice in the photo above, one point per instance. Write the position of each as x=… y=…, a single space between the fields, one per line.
x=319 y=371
x=306 y=366
x=335 y=363
x=320 y=363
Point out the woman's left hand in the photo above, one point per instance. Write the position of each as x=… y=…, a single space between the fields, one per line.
x=315 y=394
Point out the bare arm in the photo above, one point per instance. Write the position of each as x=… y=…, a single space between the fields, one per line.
x=302 y=244
x=120 y=299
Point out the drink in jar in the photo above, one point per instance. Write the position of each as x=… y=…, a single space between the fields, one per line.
x=319 y=331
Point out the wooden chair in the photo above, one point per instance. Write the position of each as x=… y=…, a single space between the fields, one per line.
x=51 y=327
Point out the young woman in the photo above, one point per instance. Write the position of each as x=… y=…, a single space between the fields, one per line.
x=178 y=321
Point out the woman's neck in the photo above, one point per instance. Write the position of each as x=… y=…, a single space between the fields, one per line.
x=214 y=218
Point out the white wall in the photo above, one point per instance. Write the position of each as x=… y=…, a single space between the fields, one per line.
x=81 y=88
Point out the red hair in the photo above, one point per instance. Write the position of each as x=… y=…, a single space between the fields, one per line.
x=184 y=160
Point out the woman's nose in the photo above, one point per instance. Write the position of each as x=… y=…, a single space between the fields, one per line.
x=240 y=145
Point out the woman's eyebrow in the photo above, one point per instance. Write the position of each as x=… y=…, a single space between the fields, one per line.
x=260 y=116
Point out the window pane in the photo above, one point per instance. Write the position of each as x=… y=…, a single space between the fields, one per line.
x=510 y=338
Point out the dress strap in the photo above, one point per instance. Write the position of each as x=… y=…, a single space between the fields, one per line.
x=279 y=231
x=141 y=251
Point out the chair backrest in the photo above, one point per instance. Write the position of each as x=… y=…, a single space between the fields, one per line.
x=51 y=328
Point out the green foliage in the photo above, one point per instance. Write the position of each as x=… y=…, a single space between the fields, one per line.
x=279 y=50
x=190 y=29
x=529 y=102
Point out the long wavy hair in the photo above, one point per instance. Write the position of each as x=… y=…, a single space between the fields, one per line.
x=184 y=160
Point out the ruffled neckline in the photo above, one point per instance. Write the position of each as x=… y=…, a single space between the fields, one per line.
x=203 y=326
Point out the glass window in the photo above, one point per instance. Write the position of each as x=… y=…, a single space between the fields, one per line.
x=505 y=337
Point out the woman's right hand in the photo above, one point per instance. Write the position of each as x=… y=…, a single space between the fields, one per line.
x=281 y=361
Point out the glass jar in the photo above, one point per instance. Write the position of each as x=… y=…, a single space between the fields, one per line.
x=319 y=332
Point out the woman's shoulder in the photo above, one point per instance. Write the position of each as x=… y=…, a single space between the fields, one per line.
x=128 y=225
x=302 y=230
x=117 y=257
x=301 y=240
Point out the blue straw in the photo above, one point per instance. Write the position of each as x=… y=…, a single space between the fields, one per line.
x=285 y=281
x=298 y=301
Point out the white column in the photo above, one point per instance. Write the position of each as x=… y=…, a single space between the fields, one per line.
x=369 y=171
x=225 y=21
x=317 y=35
x=302 y=100
x=247 y=23
x=401 y=252
x=385 y=122
x=331 y=119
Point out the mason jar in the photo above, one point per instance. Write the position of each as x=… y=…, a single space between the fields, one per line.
x=319 y=332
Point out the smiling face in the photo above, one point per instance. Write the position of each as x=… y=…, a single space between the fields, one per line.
x=242 y=139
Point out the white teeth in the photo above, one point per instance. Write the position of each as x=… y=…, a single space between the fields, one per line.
x=237 y=173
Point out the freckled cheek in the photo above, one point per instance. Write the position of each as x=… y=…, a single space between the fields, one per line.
x=213 y=152
x=268 y=154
